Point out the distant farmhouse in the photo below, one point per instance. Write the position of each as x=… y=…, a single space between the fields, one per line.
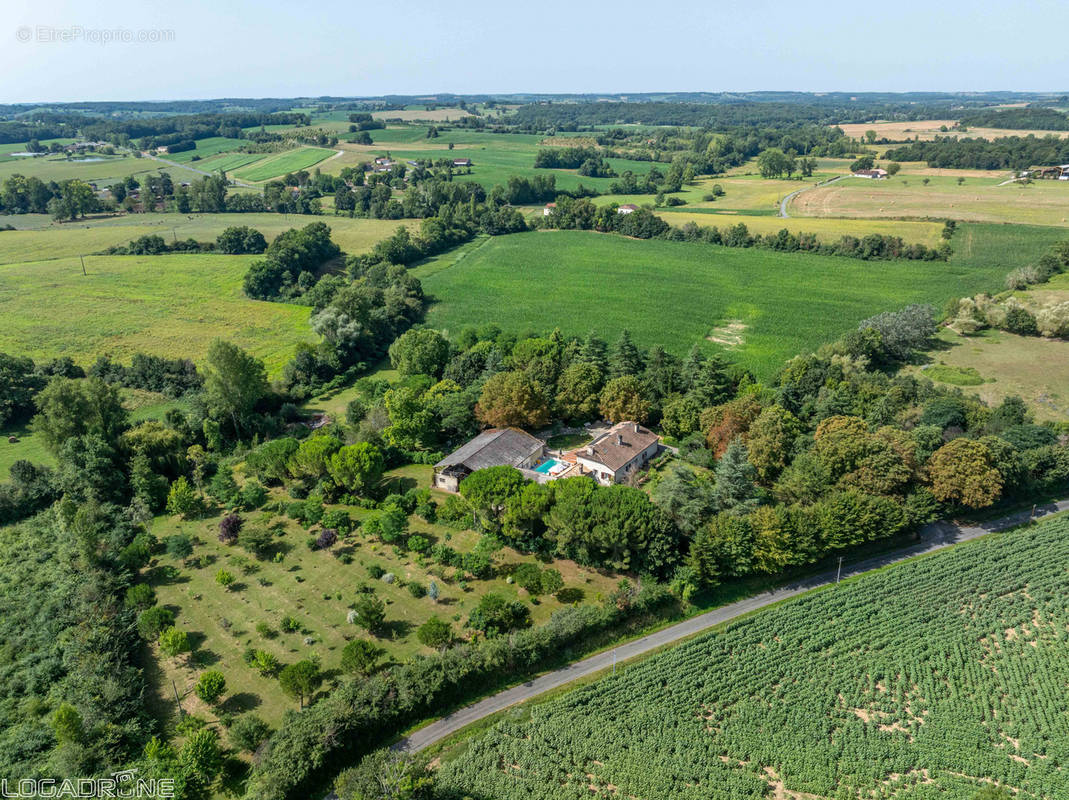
x=548 y=209
x=497 y=447
x=872 y=174
x=615 y=456
x=627 y=208
x=461 y=162
x=618 y=454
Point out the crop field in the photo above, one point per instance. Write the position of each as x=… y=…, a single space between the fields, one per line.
x=211 y=146
x=290 y=161
x=318 y=588
x=828 y=229
x=930 y=128
x=1007 y=364
x=171 y=305
x=423 y=115
x=977 y=199
x=676 y=293
x=61 y=240
x=928 y=680
x=225 y=162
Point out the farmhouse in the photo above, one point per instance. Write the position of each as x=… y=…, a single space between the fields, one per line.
x=1057 y=173
x=619 y=453
x=627 y=208
x=872 y=174
x=497 y=447
x=548 y=209
x=461 y=162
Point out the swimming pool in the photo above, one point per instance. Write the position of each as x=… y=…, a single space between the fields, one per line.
x=550 y=467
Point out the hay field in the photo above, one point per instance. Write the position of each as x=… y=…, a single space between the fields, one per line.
x=978 y=200
x=826 y=228
x=49 y=240
x=929 y=129
x=172 y=305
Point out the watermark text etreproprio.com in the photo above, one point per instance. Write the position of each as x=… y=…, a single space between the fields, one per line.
x=119 y=784
x=52 y=34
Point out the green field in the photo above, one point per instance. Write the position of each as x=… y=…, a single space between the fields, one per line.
x=172 y=305
x=675 y=294
x=290 y=161
x=212 y=146
x=927 y=680
x=318 y=588
x=48 y=239
x=104 y=171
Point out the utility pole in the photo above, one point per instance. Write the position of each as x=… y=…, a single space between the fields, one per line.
x=83 y=265
x=839 y=572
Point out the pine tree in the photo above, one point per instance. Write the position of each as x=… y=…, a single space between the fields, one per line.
x=595 y=352
x=626 y=359
x=735 y=490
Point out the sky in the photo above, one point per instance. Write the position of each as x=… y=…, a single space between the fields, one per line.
x=52 y=50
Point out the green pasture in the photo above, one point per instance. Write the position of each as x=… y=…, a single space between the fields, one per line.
x=172 y=305
x=49 y=240
x=674 y=294
x=103 y=171
x=211 y=146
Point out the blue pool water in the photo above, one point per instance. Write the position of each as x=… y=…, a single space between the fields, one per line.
x=547 y=466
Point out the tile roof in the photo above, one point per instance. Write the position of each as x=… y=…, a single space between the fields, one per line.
x=493 y=448
x=623 y=442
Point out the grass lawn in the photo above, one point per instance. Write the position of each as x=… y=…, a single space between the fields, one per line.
x=318 y=589
x=1008 y=365
x=762 y=305
x=172 y=305
x=283 y=163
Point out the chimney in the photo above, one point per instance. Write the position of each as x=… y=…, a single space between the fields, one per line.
x=590 y=451
x=635 y=424
x=619 y=440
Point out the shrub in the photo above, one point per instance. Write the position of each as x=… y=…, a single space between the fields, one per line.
x=435 y=633
x=173 y=642
x=496 y=615
x=416 y=589
x=178 y=545
x=253 y=495
x=326 y=539
x=181 y=498
x=140 y=596
x=418 y=543
x=224 y=578
x=229 y=528
x=360 y=657
x=339 y=520
x=264 y=663
x=375 y=571
x=153 y=621
x=529 y=576
x=248 y=732
x=210 y=686
x=290 y=624
x=265 y=630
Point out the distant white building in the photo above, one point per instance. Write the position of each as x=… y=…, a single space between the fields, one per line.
x=627 y=208
x=871 y=174
x=548 y=209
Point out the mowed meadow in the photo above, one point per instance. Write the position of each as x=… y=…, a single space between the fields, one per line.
x=169 y=305
x=761 y=305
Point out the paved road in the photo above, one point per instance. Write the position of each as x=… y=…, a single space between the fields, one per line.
x=786 y=201
x=935 y=536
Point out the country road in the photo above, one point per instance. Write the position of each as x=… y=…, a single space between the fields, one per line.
x=936 y=536
x=786 y=201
